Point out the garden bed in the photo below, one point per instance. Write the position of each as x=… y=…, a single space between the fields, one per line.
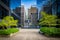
x=50 y=31
x=8 y=32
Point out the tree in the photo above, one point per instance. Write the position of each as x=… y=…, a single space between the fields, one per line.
x=11 y=21
x=14 y=23
x=47 y=19
x=8 y=21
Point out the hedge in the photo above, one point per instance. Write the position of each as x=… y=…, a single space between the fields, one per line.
x=8 y=31
x=50 y=31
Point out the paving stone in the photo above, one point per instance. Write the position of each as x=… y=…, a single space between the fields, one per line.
x=28 y=34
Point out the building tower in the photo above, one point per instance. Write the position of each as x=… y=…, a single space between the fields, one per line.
x=4 y=8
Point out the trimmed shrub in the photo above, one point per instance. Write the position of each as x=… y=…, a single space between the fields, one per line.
x=8 y=31
x=50 y=31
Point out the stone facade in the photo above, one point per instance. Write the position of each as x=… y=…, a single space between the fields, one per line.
x=33 y=15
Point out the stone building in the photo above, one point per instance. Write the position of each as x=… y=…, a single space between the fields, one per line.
x=32 y=14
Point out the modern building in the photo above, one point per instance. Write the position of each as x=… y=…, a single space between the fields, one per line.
x=22 y=15
x=32 y=13
x=18 y=13
x=4 y=8
x=39 y=6
x=47 y=9
x=56 y=7
x=52 y=7
x=29 y=14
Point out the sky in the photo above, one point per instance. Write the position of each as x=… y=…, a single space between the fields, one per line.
x=40 y=3
x=26 y=3
x=14 y=3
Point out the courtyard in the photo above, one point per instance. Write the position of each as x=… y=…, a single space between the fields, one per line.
x=28 y=34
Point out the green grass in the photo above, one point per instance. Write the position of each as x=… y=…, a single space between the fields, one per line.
x=8 y=31
x=50 y=31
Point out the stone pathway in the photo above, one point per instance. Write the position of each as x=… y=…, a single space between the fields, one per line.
x=28 y=34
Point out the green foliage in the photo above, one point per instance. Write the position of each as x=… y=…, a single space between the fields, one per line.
x=13 y=30
x=46 y=19
x=50 y=31
x=3 y=24
x=14 y=23
x=58 y=21
x=8 y=21
x=8 y=31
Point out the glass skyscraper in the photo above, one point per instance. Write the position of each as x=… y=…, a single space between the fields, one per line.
x=4 y=8
x=50 y=7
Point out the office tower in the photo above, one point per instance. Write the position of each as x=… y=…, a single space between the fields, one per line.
x=22 y=15
x=17 y=15
x=52 y=7
x=32 y=13
x=29 y=14
x=4 y=8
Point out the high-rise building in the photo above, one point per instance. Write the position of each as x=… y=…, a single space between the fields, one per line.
x=39 y=6
x=17 y=10
x=32 y=13
x=52 y=7
x=56 y=7
x=22 y=15
x=47 y=9
x=4 y=8
x=17 y=15
x=29 y=14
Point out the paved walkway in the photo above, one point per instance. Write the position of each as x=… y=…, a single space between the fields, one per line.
x=28 y=34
